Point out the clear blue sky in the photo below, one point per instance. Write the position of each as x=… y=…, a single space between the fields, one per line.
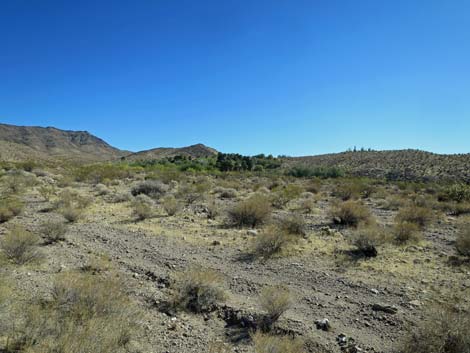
x=290 y=77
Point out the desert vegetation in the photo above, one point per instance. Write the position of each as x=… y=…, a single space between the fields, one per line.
x=227 y=253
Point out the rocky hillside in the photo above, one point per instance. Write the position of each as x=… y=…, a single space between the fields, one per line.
x=28 y=142
x=400 y=164
x=194 y=151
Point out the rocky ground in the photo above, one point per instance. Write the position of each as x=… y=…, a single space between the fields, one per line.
x=369 y=304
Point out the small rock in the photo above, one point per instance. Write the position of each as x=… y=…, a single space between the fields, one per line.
x=323 y=324
x=389 y=309
x=252 y=232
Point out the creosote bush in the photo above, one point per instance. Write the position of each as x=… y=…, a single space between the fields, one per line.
x=444 y=331
x=53 y=231
x=84 y=314
x=251 y=212
x=20 y=246
x=283 y=194
x=266 y=343
x=275 y=301
x=142 y=206
x=418 y=215
x=271 y=241
x=198 y=290
x=463 y=241
x=9 y=208
x=71 y=205
x=406 y=232
x=170 y=204
x=351 y=213
x=367 y=239
x=293 y=224
x=152 y=188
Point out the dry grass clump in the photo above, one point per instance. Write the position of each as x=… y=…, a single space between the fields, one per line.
x=101 y=189
x=198 y=290
x=265 y=343
x=212 y=208
x=350 y=213
x=418 y=215
x=46 y=192
x=171 y=205
x=444 y=331
x=20 y=246
x=9 y=208
x=293 y=224
x=406 y=232
x=53 y=231
x=85 y=314
x=142 y=207
x=250 y=212
x=354 y=189
x=226 y=193
x=463 y=241
x=275 y=301
x=284 y=194
x=392 y=203
x=367 y=239
x=71 y=205
x=121 y=197
x=152 y=188
x=271 y=241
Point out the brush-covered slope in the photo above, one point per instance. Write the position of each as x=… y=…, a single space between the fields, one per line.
x=31 y=142
x=194 y=151
x=400 y=164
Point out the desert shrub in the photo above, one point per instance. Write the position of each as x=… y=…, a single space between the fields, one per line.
x=212 y=208
x=142 y=207
x=101 y=189
x=171 y=205
x=455 y=192
x=53 y=231
x=225 y=193
x=152 y=188
x=405 y=232
x=283 y=194
x=198 y=290
x=455 y=208
x=367 y=239
x=100 y=173
x=275 y=301
x=293 y=224
x=353 y=189
x=71 y=213
x=121 y=197
x=307 y=205
x=463 y=241
x=20 y=246
x=415 y=214
x=313 y=186
x=271 y=241
x=444 y=331
x=9 y=208
x=250 y=212
x=350 y=213
x=194 y=191
x=392 y=203
x=84 y=314
x=46 y=192
x=266 y=343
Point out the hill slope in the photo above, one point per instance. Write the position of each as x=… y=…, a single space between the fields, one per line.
x=400 y=164
x=194 y=151
x=31 y=142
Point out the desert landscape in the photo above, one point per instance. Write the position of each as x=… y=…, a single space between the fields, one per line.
x=194 y=250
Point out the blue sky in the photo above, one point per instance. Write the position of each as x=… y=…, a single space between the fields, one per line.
x=290 y=77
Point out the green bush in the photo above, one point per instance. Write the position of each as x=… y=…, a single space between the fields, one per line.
x=367 y=239
x=283 y=194
x=405 y=232
x=293 y=224
x=318 y=172
x=9 y=208
x=142 y=207
x=250 y=212
x=456 y=192
x=171 y=205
